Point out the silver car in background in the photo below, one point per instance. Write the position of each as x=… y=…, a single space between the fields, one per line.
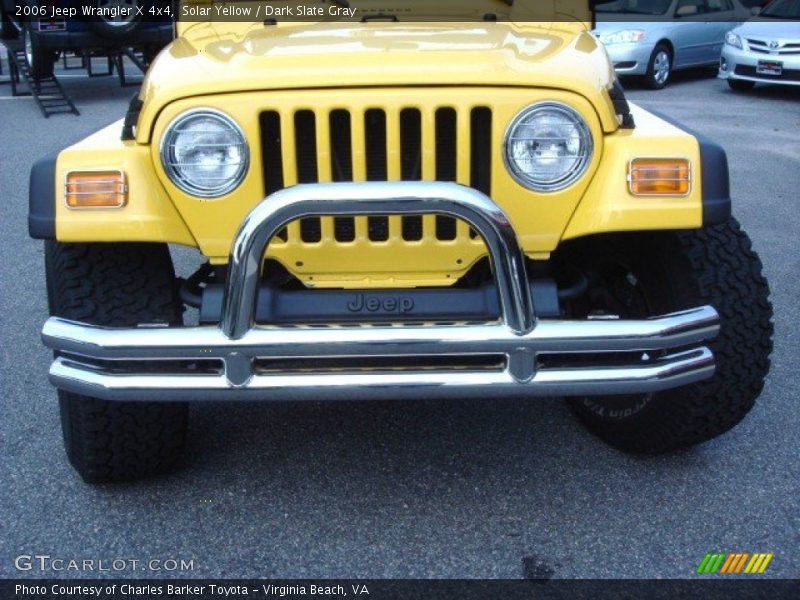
x=765 y=49
x=651 y=38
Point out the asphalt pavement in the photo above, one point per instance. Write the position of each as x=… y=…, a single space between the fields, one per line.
x=476 y=488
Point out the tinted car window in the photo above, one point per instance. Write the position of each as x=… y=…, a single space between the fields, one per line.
x=782 y=9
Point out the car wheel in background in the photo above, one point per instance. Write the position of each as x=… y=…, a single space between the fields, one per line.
x=40 y=60
x=659 y=68
x=741 y=85
x=118 y=27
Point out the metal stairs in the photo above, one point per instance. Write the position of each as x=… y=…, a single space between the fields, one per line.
x=47 y=91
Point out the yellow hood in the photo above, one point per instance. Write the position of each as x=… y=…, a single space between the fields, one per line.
x=216 y=58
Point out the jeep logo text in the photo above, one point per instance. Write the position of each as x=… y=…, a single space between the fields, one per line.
x=362 y=302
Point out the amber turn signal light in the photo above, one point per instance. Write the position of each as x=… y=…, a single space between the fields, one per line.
x=96 y=189
x=659 y=177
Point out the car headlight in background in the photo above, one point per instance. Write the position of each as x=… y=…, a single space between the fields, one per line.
x=205 y=153
x=733 y=40
x=548 y=146
x=626 y=36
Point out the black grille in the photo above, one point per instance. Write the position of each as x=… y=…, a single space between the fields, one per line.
x=787 y=75
x=340 y=126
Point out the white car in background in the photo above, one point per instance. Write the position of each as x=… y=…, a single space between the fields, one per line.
x=765 y=49
x=652 y=38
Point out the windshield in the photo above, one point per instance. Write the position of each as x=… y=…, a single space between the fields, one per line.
x=782 y=9
x=634 y=7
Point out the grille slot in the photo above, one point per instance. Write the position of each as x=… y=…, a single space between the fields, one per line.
x=445 y=228
x=341 y=146
x=305 y=143
x=311 y=230
x=344 y=229
x=481 y=150
x=446 y=150
x=412 y=228
x=378 y=229
x=375 y=144
x=271 y=151
x=410 y=144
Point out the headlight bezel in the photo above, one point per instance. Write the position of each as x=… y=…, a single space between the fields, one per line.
x=575 y=174
x=734 y=39
x=623 y=36
x=180 y=181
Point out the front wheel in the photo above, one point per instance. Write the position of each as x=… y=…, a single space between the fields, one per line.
x=41 y=62
x=637 y=276
x=116 y=285
x=659 y=68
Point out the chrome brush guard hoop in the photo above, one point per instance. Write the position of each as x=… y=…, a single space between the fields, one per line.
x=159 y=363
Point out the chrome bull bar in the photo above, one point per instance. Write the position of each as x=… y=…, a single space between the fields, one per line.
x=159 y=363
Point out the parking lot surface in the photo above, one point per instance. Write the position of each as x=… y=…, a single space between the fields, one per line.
x=477 y=488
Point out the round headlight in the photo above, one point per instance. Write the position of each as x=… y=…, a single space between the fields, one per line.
x=548 y=147
x=204 y=153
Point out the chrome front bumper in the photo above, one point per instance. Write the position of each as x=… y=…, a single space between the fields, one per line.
x=228 y=362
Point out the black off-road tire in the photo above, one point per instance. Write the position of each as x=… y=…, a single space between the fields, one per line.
x=716 y=266
x=41 y=61
x=741 y=85
x=116 y=285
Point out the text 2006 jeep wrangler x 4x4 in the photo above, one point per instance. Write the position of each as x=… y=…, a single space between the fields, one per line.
x=404 y=209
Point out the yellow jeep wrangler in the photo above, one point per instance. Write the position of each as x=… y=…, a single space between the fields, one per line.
x=394 y=205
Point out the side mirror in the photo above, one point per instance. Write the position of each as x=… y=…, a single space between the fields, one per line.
x=688 y=10
x=755 y=11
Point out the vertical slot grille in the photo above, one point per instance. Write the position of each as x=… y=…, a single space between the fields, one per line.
x=445 y=228
x=446 y=149
x=446 y=156
x=471 y=146
x=271 y=151
x=410 y=144
x=378 y=229
x=305 y=143
x=270 y=122
x=341 y=146
x=375 y=144
x=311 y=230
x=412 y=228
x=481 y=150
x=344 y=229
